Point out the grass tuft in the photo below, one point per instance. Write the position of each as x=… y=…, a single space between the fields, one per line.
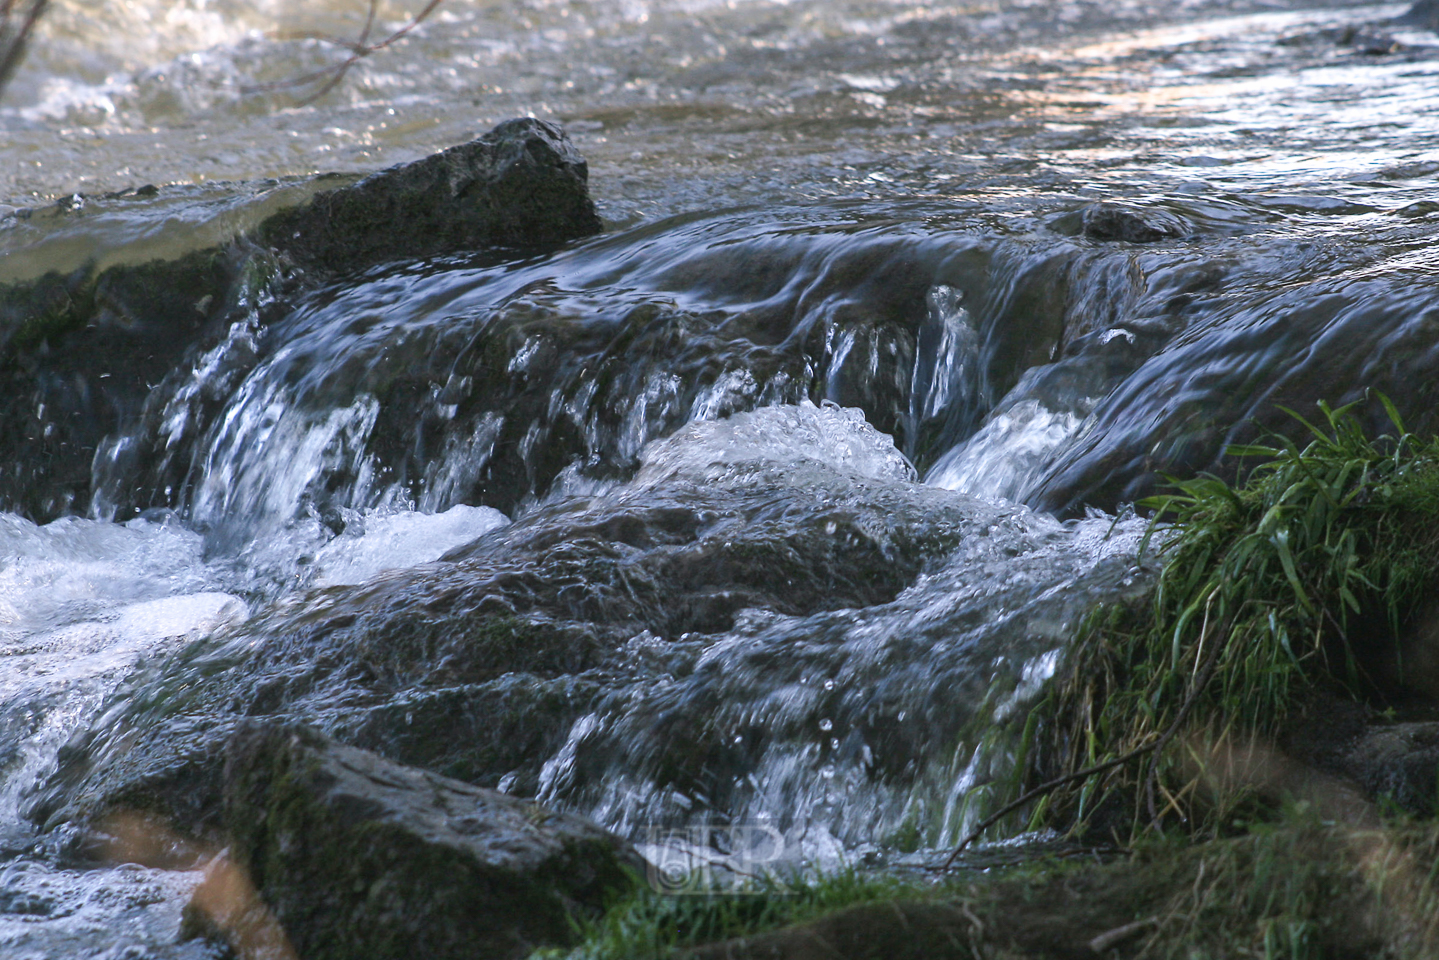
x=1298 y=889
x=1260 y=591
x=648 y=925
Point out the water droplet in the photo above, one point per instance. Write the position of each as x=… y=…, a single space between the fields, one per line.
x=826 y=724
x=829 y=684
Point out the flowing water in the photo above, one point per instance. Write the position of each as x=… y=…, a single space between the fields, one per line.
x=776 y=503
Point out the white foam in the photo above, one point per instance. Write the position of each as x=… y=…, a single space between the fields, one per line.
x=401 y=540
x=836 y=437
x=83 y=603
x=1006 y=454
x=73 y=570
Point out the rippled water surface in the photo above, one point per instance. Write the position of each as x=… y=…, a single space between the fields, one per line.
x=811 y=461
x=693 y=105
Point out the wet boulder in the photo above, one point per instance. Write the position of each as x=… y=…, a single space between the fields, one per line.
x=1131 y=223
x=521 y=184
x=1391 y=755
x=478 y=666
x=89 y=359
x=337 y=853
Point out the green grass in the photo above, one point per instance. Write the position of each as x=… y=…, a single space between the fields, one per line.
x=647 y=925
x=1285 y=580
x=1298 y=889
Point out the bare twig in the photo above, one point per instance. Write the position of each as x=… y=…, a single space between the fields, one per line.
x=359 y=49
x=1153 y=746
x=17 y=22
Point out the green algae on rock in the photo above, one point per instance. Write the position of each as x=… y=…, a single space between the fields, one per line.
x=1300 y=890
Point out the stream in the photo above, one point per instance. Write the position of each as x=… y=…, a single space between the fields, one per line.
x=777 y=503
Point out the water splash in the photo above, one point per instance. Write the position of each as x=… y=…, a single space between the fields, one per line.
x=390 y=540
x=1007 y=455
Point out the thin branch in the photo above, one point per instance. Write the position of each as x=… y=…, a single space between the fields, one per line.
x=357 y=46
x=1153 y=746
x=13 y=39
x=359 y=49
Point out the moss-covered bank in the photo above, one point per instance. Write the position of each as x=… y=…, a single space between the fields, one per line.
x=1302 y=889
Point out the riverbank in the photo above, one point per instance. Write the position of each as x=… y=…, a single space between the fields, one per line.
x=1300 y=888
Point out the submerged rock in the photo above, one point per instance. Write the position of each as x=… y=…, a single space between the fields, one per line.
x=337 y=853
x=477 y=667
x=1424 y=14
x=1132 y=224
x=742 y=558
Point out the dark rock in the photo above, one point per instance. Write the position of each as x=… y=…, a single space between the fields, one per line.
x=1398 y=762
x=1424 y=15
x=81 y=354
x=1390 y=757
x=477 y=668
x=1359 y=38
x=1132 y=224
x=1414 y=662
x=355 y=857
x=1368 y=42
x=521 y=184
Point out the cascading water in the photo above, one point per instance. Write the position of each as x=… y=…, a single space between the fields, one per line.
x=636 y=526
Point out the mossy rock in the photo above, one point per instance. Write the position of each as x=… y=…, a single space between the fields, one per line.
x=362 y=859
x=521 y=184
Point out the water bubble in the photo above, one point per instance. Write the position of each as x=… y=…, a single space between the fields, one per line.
x=826 y=724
